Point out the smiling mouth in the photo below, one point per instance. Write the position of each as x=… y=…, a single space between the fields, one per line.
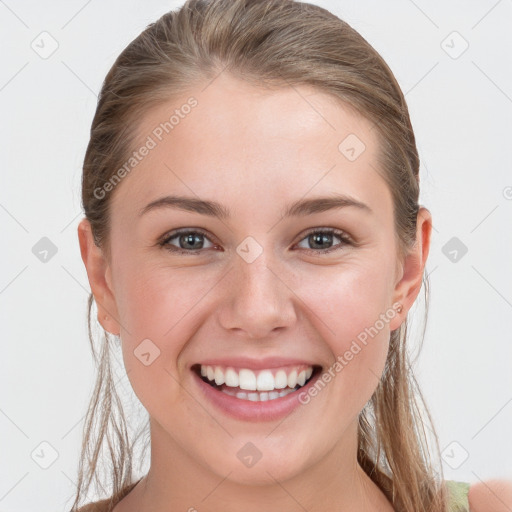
x=256 y=386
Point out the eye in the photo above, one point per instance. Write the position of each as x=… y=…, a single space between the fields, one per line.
x=319 y=238
x=191 y=241
x=188 y=241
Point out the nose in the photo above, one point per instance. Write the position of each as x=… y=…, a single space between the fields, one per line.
x=256 y=300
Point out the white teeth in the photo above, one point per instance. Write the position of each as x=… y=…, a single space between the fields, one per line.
x=219 y=376
x=247 y=380
x=231 y=378
x=255 y=396
x=292 y=379
x=264 y=380
x=281 y=379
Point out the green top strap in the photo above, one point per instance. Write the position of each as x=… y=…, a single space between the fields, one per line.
x=458 y=496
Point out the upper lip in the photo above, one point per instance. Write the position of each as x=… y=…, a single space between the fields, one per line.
x=255 y=364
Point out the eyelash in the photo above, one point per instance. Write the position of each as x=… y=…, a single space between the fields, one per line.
x=345 y=239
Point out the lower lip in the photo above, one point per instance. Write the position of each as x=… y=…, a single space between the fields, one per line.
x=247 y=410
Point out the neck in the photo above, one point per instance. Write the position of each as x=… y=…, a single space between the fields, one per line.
x=176 y=481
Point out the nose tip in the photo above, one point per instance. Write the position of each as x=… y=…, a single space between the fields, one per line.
x=256 y=301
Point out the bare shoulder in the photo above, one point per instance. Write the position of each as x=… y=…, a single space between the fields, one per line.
x=490 y=496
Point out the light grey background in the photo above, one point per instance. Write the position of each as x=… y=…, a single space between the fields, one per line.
x=461 y=108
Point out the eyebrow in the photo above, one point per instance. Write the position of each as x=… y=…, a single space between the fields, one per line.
x=300 y=208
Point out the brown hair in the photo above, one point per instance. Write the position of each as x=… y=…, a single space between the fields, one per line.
x=267 y=43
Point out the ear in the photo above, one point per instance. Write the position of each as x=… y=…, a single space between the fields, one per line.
x=409 y=284
x=100 y=279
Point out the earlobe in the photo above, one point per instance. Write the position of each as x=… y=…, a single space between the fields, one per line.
x=98 y=273
x=409 y=285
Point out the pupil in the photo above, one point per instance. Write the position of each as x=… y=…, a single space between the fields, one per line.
x=321 y=237
x=189 y=239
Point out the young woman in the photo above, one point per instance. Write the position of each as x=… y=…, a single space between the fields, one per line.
x=253 y=241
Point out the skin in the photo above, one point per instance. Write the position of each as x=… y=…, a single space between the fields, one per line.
x=254 y=151
x=491 y=496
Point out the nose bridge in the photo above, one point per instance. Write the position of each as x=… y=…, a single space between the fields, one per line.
x=256 y=279
x=256 y=301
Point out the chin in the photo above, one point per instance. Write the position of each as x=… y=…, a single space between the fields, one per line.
x=254 y=460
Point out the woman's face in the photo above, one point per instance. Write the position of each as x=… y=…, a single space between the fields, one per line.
x=246 y=287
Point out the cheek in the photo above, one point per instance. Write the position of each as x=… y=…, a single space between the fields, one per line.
x=353 y=317
x=155 y=299
x=156 y=307
x=348 y=300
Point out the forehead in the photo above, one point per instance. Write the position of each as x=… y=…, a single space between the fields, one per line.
x=247 y=145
